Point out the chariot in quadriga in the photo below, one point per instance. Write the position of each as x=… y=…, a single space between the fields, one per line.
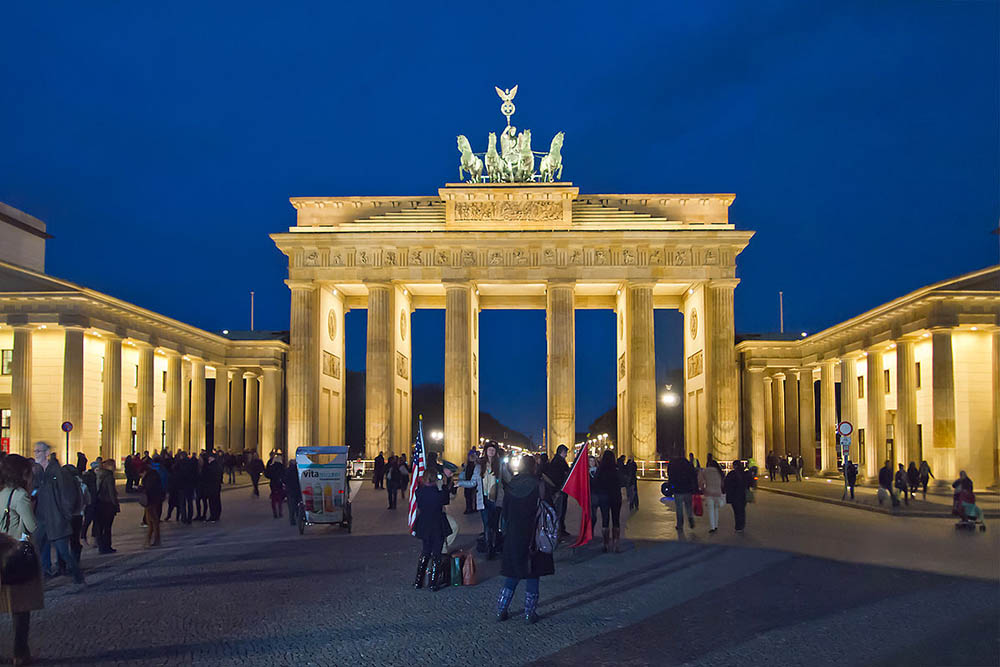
x=515 y=161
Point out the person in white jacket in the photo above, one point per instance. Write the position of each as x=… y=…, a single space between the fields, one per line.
x=486 y=480
x=710 y=484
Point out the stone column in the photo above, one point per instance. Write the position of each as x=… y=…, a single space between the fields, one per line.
x=641 y=371
x=237 y=408
x=145 y=434
x=198 y=424
x=722 y=379
x=757 y=418
x=560 y=334
x=768 y=417
x=905 y=433
x=251 y=418
x=379 y=365
x=221 y=436
x=996 y=408
x=807 y=421
x=20 y=396
x=72 y=390
x=778 y=412
x=827 y=416
x=303 y=367
x=875 y=401
x=270 y=411
x=458 y=371
x=175 y=438
x=186 y=405
x=943 y=403
x=791 y=394
x=111 y=408
x=849 y=404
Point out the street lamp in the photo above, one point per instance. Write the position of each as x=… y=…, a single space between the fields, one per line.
x=669 y=398
x=436 y=436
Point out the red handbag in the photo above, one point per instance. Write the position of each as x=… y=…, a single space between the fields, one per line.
x=696 y=504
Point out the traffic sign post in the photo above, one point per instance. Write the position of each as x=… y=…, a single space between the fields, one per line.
x=67 y=427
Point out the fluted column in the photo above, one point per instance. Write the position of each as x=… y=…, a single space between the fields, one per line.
x=237 y=408
x=270 y=411
x=458 y=370
x=875 y=402
x=221 y=434
x=175 y=438
x=144 y=431
x=198 y=424
x=905 y=433
x=303 y=366
x=111 y=408
x=722 y=379
x=20 y=398
x=807 y=420
x=186 y=405
x=768 y=417
x=996 y=408
x=251 y=417
x=943 y=402
x=560 y=334
x=378 y=371
x=641 y=371
x=778 y=412
x=791 y=412
x=72 y=389
x=849 y=404
x=827 y=416
x=757 y=419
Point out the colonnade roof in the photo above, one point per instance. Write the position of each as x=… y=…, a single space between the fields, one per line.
x=31 y=298
x=970 y=301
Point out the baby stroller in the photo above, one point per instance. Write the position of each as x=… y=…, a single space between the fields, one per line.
x=968 y=513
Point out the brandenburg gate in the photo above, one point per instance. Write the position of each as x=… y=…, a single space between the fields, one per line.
x=521 y=241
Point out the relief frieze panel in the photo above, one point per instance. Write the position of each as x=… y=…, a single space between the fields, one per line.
x=508 y=211
x=578 y=256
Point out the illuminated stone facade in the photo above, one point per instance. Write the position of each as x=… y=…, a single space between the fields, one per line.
x=919 y=378
x=128 y=379
x=511 y=246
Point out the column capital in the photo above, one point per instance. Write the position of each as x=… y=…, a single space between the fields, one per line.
x=723 y=282
x=307 y=285
x=250 y=373
x=560 y=282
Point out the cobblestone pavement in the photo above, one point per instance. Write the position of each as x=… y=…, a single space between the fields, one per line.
x=865 y=497
x=251 y=591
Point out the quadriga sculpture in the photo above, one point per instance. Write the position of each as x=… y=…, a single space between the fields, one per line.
x=469 y=162
x=551 y=165
x=497 y=169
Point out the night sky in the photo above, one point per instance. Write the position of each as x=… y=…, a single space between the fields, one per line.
x=160 y=145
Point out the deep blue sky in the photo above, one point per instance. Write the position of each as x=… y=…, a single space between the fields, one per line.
x=161 y=143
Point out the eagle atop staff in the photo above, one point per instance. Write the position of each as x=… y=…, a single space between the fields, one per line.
x=507 y=108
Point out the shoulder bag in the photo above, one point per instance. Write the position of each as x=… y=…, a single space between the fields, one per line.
x=18 y=561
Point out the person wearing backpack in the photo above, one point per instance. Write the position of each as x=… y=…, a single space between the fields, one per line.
x=57 y=500
x=522 y=559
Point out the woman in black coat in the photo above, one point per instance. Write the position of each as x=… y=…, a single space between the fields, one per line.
x=520 y=558
x=735 y=487
x=607 y=485
x=432 y=527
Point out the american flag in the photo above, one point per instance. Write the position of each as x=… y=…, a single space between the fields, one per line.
x=417 y=463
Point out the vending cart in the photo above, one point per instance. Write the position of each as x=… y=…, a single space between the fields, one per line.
x=326 y=495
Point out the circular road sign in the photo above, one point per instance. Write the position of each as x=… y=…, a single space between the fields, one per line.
x=67 y=426
x=845 y=428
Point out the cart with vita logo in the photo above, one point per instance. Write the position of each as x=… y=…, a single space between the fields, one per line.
x=326 y=494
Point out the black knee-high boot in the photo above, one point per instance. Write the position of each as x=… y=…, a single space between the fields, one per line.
x=421 y=570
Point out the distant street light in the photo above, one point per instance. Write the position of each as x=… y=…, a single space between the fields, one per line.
x=436 y=436
x=670 y=398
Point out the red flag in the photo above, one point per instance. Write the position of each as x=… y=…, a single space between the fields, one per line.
x=578 y=487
